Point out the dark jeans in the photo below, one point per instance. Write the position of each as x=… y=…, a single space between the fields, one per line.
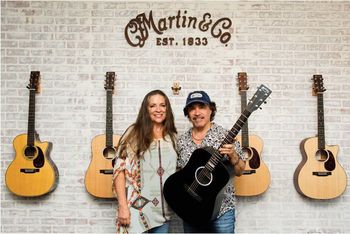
x=224 y=224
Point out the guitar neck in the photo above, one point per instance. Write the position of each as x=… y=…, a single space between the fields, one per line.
x=236 y=128
x=258 y=98
x=320 y=122
x=31 y=118
x=245 y=134
x=109 y=119
x=213 y=161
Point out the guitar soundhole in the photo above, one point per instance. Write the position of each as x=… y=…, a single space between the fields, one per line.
x=321 y=155
x=109 y=153
x=30 y=152
x=203 y=176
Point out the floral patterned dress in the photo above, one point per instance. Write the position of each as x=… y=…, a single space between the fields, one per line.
x=145 y=178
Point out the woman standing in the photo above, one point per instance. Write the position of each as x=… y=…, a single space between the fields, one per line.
x=146 y=157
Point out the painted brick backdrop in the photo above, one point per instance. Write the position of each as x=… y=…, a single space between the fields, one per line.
x=278 y=43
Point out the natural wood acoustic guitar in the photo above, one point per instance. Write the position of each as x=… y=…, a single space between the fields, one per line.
x=98 y=177
x=32 y=173
x=255 y=179
x=319 y=175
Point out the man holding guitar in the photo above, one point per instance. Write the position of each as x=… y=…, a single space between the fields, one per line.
x=200 y=111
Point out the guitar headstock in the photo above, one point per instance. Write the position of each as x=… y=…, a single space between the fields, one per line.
x=317 y=86
x=34 y=81
x=259 y=98
x=242 y=81
x=109 y=82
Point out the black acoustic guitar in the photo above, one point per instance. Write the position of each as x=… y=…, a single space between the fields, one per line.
x=195 y=193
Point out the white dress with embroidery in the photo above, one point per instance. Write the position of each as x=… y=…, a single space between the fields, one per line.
x=145 y=178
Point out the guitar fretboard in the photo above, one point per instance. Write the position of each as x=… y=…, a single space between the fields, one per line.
x=320 y=122
x=109 y=119
x=245 y=138
x=236 y=128
x=31 y=118
x=216 y=157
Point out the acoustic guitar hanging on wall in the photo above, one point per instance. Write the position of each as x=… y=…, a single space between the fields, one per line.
x=98 y=177
x=32 y=173
x=319 y=175
x=255 y=179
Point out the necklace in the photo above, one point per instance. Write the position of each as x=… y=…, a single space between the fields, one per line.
x=197 y=139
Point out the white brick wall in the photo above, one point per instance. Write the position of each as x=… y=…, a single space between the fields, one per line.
x=278 y=43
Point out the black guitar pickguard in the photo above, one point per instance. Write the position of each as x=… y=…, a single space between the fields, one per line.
x=39 y=161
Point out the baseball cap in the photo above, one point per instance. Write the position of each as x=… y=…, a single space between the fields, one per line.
x=197 y=96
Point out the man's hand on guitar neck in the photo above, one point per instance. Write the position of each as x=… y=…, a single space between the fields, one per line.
x=236 y=162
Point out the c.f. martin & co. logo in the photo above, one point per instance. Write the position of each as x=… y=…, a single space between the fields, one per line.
x=137 y=30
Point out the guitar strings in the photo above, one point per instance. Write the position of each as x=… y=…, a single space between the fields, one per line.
x=205 y=172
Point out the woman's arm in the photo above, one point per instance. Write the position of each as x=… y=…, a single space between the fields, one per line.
x=123 y=209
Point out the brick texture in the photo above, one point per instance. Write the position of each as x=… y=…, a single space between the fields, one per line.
x=74 y=43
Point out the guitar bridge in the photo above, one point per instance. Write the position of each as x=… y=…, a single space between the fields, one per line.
x=29 y=170
x=249 y=172
x=321 y=173
x=106 y=171
x=193 y=193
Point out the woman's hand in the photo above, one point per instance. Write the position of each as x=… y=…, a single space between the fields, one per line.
x=123 y=215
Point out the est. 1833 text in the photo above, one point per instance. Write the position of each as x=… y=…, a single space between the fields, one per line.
x=186 y=41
